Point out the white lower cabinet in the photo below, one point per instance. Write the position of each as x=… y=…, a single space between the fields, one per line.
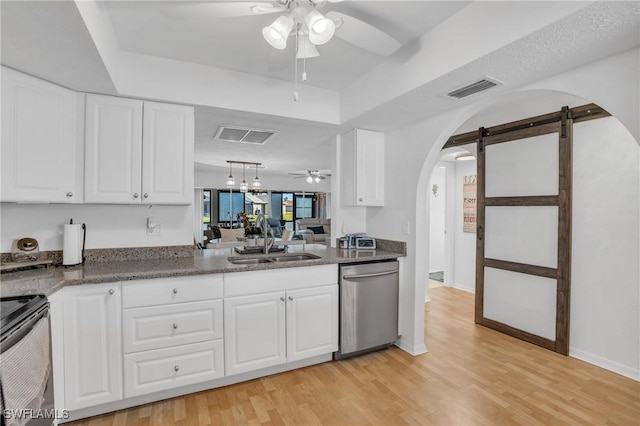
x=270 y=329
x=92 y=345
x=172 y=333
x=254 y=332
x=161 y=369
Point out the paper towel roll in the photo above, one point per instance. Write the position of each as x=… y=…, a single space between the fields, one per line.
x=72 y=245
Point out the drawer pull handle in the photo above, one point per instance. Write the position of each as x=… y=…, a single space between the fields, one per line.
x=111 y=291
x=282 y=298
x=176 y=368
x=175 y=326
x=290 y=298
x=175 y=291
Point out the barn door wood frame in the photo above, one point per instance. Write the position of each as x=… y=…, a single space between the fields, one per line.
x=560 y=122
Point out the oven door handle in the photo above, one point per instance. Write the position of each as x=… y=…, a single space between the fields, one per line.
x=377 y=274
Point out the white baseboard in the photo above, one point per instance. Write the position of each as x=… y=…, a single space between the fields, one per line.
x=607 y=364
x=464 y=288
x=414 y=350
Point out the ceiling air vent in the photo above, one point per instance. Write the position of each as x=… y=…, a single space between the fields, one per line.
x=472 y=88
x=244 y=135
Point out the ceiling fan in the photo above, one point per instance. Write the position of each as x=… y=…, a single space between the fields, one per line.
x=311 y=176
x=301 y=19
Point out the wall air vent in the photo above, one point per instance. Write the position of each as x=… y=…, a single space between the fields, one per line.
x=244 y=135
x=473 y=88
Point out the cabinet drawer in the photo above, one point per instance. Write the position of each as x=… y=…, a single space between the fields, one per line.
x=156 y=327
x=162 y=291
x=162 y=369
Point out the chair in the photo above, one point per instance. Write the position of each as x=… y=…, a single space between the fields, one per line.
x=231 y=235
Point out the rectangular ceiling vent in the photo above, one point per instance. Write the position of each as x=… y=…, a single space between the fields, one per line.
x=473 y=88
x=244 y=135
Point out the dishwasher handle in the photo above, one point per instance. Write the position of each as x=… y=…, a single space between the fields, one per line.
x=376 y=274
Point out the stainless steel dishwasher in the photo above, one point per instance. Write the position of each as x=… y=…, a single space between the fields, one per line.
x=368 y=307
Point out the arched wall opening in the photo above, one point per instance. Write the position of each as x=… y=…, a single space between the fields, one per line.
x=621 y=355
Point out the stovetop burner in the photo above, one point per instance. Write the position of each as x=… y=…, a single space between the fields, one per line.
x=14 y=309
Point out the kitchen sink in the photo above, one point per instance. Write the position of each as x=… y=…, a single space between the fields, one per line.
x=294 y=257
x=281 y=258
x=248 y=260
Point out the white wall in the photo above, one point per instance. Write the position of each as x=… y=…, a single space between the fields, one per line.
x=605 y=281
x=108 y=226
x=437 y=212
x=464 y=258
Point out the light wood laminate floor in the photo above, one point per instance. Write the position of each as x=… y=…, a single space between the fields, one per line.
x=471 y=376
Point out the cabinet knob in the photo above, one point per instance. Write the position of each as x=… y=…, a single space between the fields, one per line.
x=175 y=291
x=290 y=298
x=175 y=326
x=69 y=194
x=111 y=291
x=146 y=195
x=360 y=199
x=176 y=368
x=282 y=298
x=135 y=195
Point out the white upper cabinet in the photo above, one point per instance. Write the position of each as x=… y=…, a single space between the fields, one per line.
x=113 y=150
x=167 y=154
x=41 y=141
x=138 y=152
x=362 y=168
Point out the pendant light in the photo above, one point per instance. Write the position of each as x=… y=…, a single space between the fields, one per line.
x=230 y=180
x=256 y=181
x=244 y=186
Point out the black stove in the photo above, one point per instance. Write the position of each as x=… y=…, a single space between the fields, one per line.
x=14 y=310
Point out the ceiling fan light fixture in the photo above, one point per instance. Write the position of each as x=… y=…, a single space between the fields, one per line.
x=277 y=33
x=321 y=29
x=306 y=49
x=309 y=179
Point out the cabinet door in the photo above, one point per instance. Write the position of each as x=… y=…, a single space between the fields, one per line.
x=362 y=168
x=92 y=345
x=312 y=322
x=167 y=159
x=369 y=168
x=113 y=150
x=41 y=150
x=254 y=332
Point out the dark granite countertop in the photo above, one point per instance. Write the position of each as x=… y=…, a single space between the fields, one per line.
x=47 y=281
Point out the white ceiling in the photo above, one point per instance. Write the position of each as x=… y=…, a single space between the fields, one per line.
x=49 y=39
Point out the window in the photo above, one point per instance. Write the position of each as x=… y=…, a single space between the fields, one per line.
x=206 y=208
x=304 y=205
x=230 y=206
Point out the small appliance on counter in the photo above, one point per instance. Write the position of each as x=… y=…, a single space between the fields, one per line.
x=24 y=255
x=75 y=236
x=358 y=241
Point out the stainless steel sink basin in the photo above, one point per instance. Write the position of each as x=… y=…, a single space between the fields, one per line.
x=282 y=258
x=294 y=257
x=248 y=260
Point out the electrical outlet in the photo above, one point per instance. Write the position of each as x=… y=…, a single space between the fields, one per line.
x=155 y=231
x=153 y=228
x=406 y=228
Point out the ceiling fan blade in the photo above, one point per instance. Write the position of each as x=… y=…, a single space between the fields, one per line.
x=218 y=10
x=363 y=35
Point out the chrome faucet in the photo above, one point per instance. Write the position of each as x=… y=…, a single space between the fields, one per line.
x=264 y=227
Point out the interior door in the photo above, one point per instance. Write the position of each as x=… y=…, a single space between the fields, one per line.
x=524 y=232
